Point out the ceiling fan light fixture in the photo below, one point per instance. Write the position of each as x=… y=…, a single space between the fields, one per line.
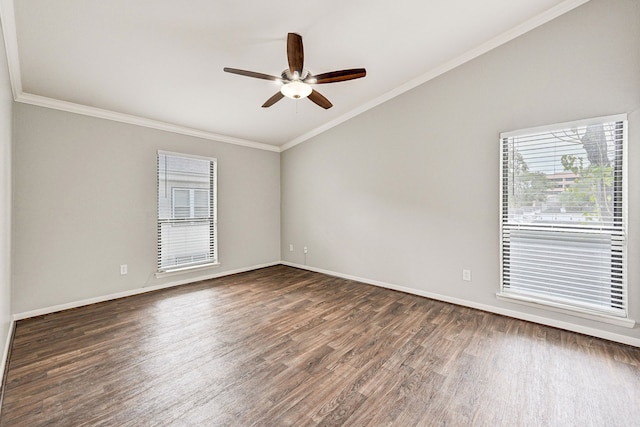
x=296 y=90
x=296 y=80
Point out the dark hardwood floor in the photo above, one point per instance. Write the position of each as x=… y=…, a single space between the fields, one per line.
x=281 y=346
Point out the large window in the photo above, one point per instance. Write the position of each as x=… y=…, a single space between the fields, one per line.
x=563 y=209
x=186 y=211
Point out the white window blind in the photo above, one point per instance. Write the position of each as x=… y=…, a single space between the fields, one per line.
x=563 y=219
x=187 y=229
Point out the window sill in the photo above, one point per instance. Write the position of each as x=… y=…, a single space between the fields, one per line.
x=180 y=270
x=560 y=308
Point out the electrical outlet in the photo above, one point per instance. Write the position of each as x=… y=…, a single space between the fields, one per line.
x=305 y=250
x=290 y=247
x=466 y=275
x=123 y=269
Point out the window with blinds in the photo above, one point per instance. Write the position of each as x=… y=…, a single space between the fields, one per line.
x=187 y=233
x=563 y=215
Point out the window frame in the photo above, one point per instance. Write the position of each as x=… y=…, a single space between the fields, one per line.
x=620 y=318
x=212 y=219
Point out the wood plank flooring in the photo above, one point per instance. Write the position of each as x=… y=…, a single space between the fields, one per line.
x=282 y=346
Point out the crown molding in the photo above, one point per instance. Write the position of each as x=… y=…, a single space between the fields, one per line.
x=499 y=40
x=7 y=18
x=56 y=104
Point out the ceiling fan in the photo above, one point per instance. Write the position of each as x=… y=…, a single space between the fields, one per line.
x=296 y=80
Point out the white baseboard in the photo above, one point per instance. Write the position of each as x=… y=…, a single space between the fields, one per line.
x=5 y=352
x=611 y=336
x=74 y=304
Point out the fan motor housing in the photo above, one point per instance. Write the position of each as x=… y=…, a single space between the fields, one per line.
x=289 y=77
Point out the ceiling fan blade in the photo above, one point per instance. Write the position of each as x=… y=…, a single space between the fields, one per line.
x=316 y=97
x=295 y=53
x=275 y=98
x=251 y=74
x=337 y=76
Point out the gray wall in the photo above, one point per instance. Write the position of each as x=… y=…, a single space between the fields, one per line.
x=6 y=114
x=408 y=193
x=85 y=202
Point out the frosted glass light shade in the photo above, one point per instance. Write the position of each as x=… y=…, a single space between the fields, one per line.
x=296 y=90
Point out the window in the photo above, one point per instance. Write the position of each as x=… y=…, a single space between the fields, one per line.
x=190 y=202
x=563 y=216
x=187 y=229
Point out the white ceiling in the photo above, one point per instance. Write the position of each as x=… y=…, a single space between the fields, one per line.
x=160 y=62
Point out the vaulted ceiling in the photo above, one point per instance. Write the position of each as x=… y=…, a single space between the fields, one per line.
x=160 y=63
